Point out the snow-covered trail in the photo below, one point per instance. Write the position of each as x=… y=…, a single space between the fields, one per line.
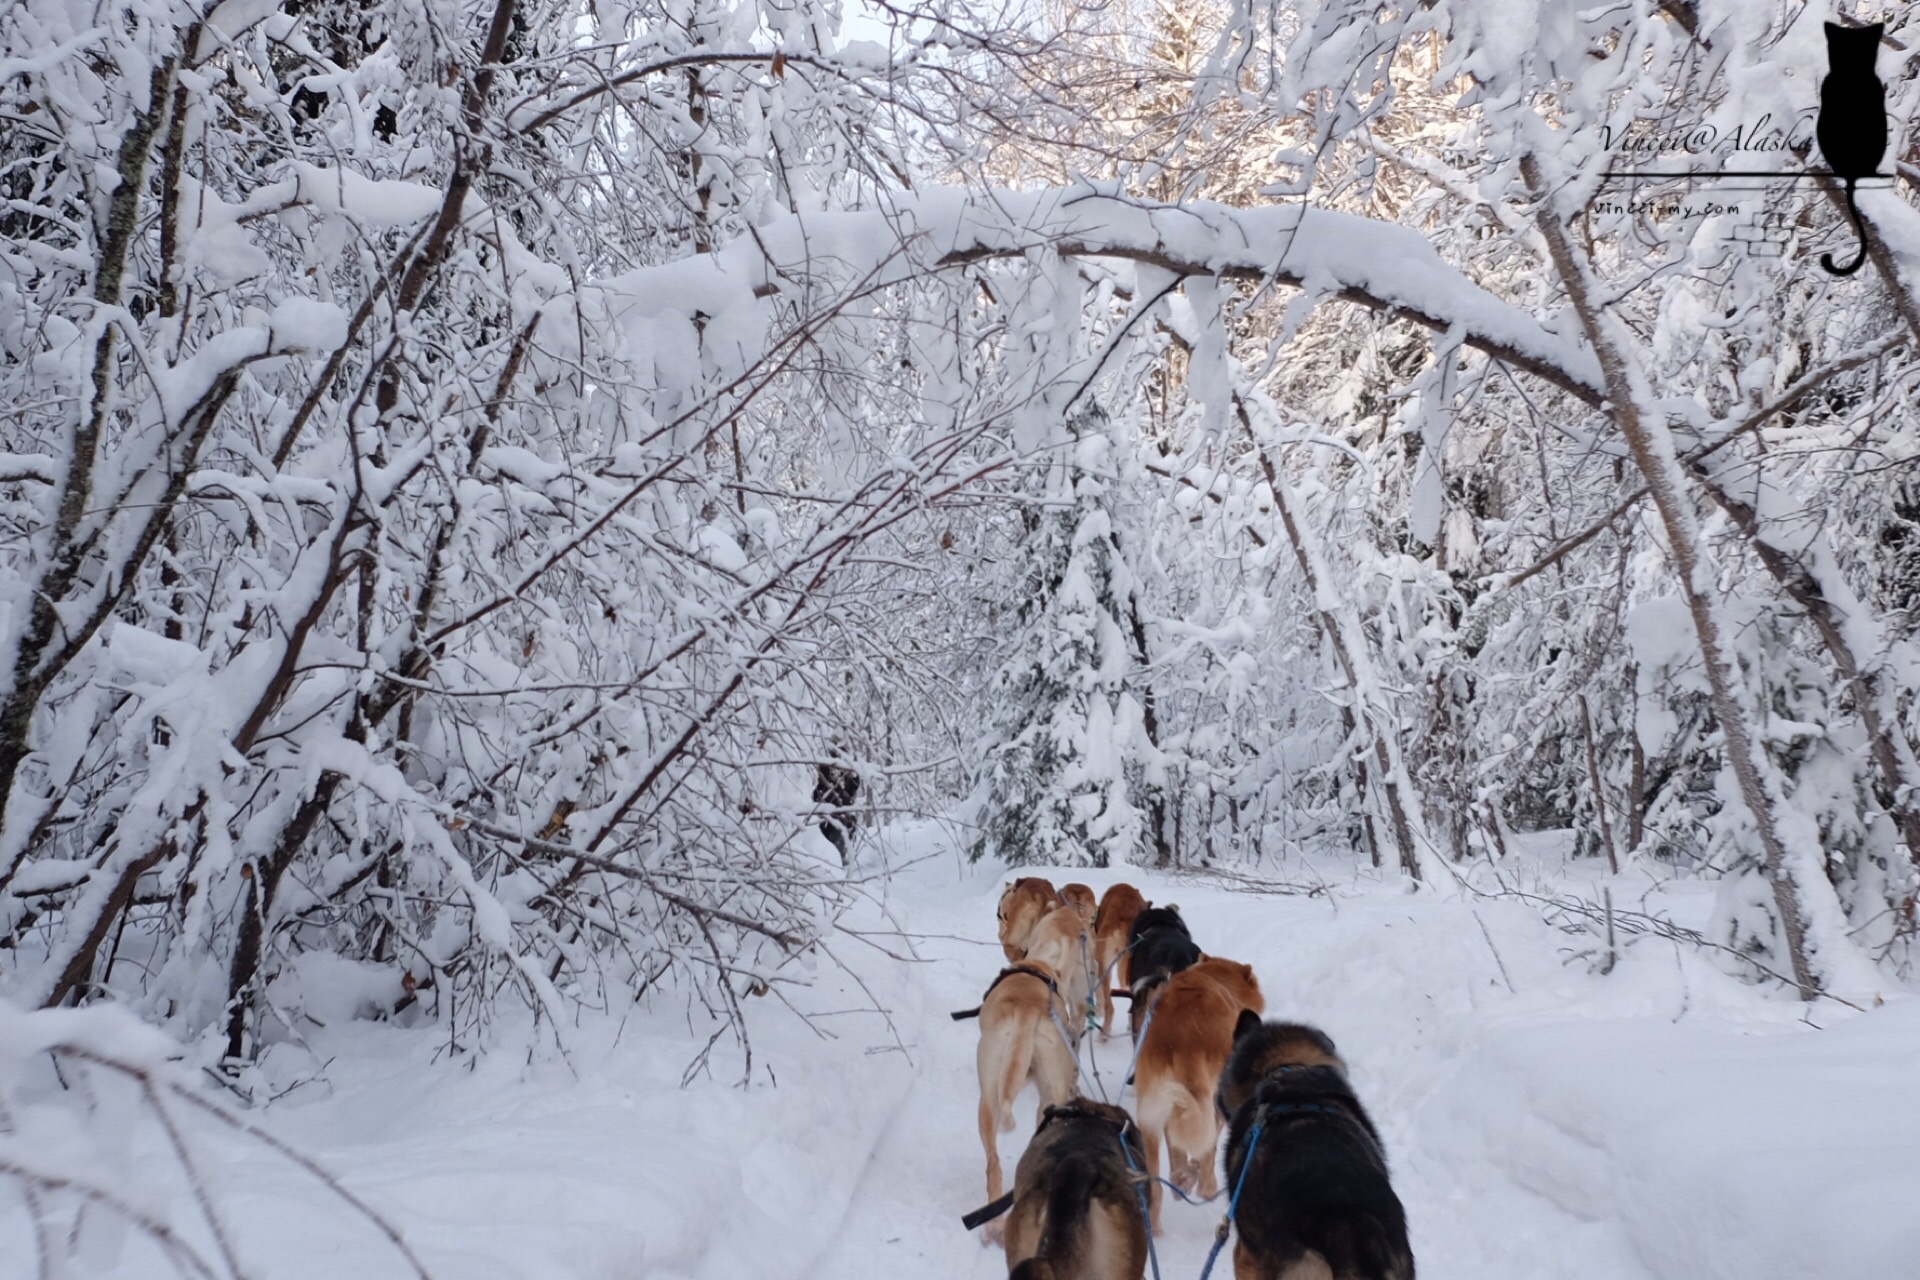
x=928 y=1167
x=1543 y=1122
x=1388 y=1000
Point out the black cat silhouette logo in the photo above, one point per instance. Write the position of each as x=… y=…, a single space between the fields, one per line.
x=1853 y=120
x=1851 y=131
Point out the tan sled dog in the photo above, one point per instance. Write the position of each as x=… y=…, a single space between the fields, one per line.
x=1018 y=1043
x=1076 y=1215
x=1022 y=903
x=1179 y=1065
x=1062 y=942
x=1080 y=897
x=1111 y=924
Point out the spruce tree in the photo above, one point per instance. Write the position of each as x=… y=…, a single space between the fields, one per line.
x=1066 y=728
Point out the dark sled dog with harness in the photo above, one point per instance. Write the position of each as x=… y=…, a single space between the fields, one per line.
x=1311 y=1195
x=1158 y=946
x=1076 y=1207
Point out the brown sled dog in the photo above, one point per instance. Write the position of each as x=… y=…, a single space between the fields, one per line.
x=1111 y=924
x=1179 y=1064
x=1018 y=1043
x=1080 y=897
x=1076 y=1212
x=1316 y=1203
x=1063 y=943
x=1022 y=903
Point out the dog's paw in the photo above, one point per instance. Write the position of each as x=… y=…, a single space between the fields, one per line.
x=994 y=1233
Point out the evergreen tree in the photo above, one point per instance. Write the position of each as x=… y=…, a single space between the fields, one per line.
x=1061 y=776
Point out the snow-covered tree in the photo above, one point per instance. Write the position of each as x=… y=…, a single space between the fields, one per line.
x=464 y=461
x=1061 y=778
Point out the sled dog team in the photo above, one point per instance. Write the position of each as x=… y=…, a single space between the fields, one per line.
x=1305 y=1175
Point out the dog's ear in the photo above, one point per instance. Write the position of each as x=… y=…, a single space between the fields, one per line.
x=1248 y=1024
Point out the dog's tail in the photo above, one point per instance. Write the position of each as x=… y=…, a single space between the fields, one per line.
x=1018 y=1066
x=1165 y=1099
x=1373 y=1249
x=1068 y=1200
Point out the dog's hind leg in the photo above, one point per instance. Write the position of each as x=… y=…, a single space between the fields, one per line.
x=1105 y=962
x=990 y=1139
x=1116 y=1242
x=1150 y=1157
x=995 y=1231
x=997 y=1047
x=1192 y=1138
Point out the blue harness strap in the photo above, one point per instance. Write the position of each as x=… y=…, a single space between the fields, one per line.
x=1239 y=1185
x=1140 y=1193
x=1253 y=1141
x=1175 y=1188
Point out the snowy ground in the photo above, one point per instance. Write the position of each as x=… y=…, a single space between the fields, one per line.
x=1542 y=1120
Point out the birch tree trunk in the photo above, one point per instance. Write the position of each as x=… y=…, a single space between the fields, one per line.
x=1793 y=876
x=1349 y=650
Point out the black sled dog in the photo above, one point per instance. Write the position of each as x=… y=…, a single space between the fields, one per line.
x=1158 y=946
x=1316 y=1203
x=1076 y=1207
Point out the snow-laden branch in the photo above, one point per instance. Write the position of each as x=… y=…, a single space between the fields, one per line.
x=1360 y=260
x=79 y=1155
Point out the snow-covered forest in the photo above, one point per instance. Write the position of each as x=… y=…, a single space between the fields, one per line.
x=484 y=480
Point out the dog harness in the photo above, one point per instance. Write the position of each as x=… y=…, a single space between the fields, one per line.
x=1263 y=1110
x=1058 y=1111
x=1053 y=988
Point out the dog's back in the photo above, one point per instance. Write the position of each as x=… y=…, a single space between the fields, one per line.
x=1119 y=906
x=1112 y=927
x=1160 y=953
x=1022 y=904
x=1061 y=942
x=1076 y=1215
x=1167 y=917
x=1158 y=944
x=1080 y=898
x=1179 y=1061
x=1318 y=1204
